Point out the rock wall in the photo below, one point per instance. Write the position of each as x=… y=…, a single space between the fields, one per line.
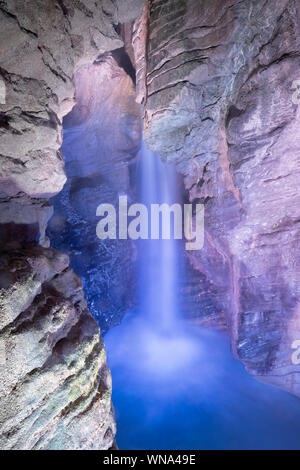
x=216 y=78
x=43 y=44
x=55 y=389
x=55 y=386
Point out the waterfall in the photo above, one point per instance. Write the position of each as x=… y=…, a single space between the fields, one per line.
x=159 y=260
x=163 y=345
x=176 y=385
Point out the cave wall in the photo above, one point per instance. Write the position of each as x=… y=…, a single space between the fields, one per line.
x=42 y=45
x=55 y=390
x=100 y=145
x=55 y=386
x=215 y=79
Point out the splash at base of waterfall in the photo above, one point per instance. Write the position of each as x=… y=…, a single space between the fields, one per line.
x=175 y=385
x=156 y=352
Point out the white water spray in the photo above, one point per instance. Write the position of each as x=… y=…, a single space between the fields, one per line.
x=163 y=345
x=159 y=259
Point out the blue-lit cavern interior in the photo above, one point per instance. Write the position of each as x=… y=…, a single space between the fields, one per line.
x=149 y=224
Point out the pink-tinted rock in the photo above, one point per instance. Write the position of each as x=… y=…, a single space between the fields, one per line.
x=101 y=141
x=218 y=102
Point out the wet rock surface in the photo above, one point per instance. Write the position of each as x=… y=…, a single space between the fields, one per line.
x=101 y=141
x=55 y=385
x=216 y=81
x=43 y=44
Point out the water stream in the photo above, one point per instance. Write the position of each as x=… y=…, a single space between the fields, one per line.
x=175 y=385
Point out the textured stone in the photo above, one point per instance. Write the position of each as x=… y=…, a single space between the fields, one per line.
x=218 y=101
x=42 y=44
x=128 y=11
x=21 y=216
x=55 y=384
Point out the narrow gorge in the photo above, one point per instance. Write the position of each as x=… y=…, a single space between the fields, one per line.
x=133 y=341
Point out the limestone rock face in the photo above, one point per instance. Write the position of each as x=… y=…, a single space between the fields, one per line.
x=55 y=386
x=24 y=219
x=218 y=100
x=54 y=381
x=101 y=141
x=43 y=43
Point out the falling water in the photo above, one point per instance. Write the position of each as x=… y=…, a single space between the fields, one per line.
x=162 y=344
x=159 y=259
x=177 y=386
